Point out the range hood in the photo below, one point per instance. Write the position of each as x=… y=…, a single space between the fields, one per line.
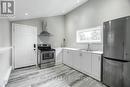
x=44 y=29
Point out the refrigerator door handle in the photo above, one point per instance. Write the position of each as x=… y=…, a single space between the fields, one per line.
x=123 y=61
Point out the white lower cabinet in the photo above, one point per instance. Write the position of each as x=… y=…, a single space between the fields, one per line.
x=71 y=58
x=66 y=57
x=58 y=56
x=75 y=59
x=86 y=62
x=96 y=66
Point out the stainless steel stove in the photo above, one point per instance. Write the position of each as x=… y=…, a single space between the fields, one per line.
x=46 y=56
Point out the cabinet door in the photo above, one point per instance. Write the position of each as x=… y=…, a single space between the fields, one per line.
x=86 y=62
x=75 y=58
x=58 y=56
x=96 y=66
x=65 y=57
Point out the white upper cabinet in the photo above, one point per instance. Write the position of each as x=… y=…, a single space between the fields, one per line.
x=91 y=35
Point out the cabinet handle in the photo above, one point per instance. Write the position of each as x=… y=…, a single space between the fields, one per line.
x=81 y=54
x=126 y=54
x=99 y=58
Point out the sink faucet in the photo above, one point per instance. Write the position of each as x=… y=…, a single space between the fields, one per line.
x=88 y=49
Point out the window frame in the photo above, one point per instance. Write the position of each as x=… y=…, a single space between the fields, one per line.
x=100 y=28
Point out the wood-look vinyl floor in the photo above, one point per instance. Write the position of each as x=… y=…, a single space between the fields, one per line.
x=57 y=76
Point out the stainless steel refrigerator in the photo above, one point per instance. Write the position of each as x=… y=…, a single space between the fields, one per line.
x=116 y=56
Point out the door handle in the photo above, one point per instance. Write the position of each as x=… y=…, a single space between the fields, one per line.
x=99 y=58
x=34 y=45
x=123 y=61
x=126 y=54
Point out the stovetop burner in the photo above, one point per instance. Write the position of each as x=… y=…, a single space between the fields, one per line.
x=45 y=47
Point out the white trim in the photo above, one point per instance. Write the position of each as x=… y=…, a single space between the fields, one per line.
x=13 y=62
x=4 y=80
x=4 y=49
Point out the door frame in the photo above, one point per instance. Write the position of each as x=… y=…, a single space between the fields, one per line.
x=13 y=44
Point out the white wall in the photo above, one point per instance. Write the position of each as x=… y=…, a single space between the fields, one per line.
x=5 y=33
x=93 y=13
x=55 y=27
x=5 y=41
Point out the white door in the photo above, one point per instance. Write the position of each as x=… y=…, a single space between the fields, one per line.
x=86 y=62
x=25 y=41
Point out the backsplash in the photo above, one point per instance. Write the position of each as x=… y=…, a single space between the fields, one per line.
x=96 y=47
x=92 y=46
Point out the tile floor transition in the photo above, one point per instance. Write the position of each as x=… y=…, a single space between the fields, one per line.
x=57 y=76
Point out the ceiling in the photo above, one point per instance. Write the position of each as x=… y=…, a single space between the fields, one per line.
x=28 y=9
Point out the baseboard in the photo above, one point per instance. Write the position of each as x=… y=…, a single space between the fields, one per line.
x=57 y=63
x=5 y=78
x=24 y=67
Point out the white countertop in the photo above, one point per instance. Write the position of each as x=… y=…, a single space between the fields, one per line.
x=97 y=52
x=83 y=50
x=70 y=48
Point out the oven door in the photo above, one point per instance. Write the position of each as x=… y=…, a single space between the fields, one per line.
x=48 y=55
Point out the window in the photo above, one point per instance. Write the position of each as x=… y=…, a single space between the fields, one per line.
x=92 y=35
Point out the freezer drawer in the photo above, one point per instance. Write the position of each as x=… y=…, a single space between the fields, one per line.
x=116 y=73
x=126 y=74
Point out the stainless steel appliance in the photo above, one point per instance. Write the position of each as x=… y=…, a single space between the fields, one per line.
x=116 y=57
x=46 y=56
x=44 y=29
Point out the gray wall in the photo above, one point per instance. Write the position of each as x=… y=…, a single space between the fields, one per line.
x=55 y=27
x=93 y=13
x=5 y=41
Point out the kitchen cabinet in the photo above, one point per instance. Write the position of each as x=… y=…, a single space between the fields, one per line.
x=96 y=66
x=67 y=57
x=86 y=62
x=83 y=61
x=71 y=58
x=58 y=56
x=75 y=54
